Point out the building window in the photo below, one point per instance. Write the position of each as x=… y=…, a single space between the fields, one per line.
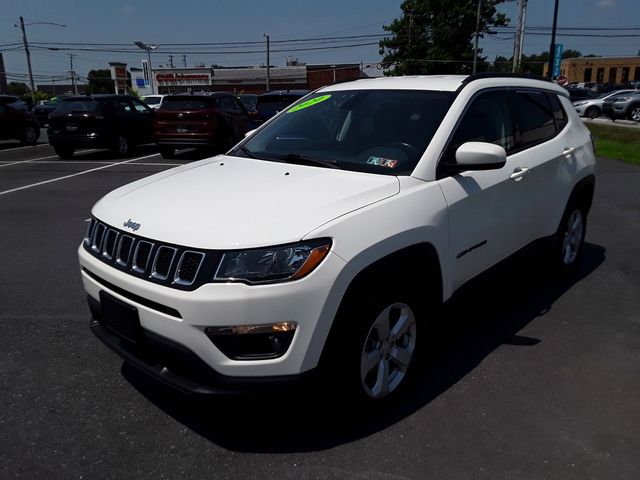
x=636 y=76
x=613 y=72
x=600 y=75
x=625 y=75
x=587 y=75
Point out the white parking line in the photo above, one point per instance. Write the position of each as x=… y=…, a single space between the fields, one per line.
x=26 y=146
x=75 y=174
x=8 y=164
x=25 y=161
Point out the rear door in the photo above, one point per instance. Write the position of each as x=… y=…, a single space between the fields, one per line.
x=143 y=120
x=11 y=122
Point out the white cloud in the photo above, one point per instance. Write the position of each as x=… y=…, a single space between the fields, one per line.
x=606 y=3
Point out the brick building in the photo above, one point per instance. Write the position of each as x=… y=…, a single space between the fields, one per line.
x=616 y=70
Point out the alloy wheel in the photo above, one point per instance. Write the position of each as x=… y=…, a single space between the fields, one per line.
x=121 y=145
x=635 y=114
x=573 y=236
x=388 y=350
x=30 y=136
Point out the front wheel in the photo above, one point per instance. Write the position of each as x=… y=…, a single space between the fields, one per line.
x=121 y=147
x=29 y=136
x=592 y=112
x=634 y=113
x=388 y=350
x=64 y=152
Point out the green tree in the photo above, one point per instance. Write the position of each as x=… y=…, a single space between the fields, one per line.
x=99 y=81
x=436 y=36
x=17 y=88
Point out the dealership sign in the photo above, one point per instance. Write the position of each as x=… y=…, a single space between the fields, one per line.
x=186 y=78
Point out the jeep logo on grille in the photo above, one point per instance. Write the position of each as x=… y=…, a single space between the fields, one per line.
x=132 y=225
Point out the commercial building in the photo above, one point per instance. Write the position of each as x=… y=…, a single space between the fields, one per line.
x=244 y=79
x=615 y=70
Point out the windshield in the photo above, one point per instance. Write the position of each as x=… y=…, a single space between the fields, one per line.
x=79 y=105
x=377 y=131
x=189 y=103
x=151 y=100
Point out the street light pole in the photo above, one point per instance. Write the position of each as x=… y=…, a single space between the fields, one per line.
x=475 y=49
x=26 y=51
x=148 y=48
x=268 y=61
x=552 y=48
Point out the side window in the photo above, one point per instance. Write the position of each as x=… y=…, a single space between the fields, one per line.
x=227 y=103
x=558 y=112
x=487 y=119
x=122 y=105
x=536 y=120
x=141 y=107
x=239 y=106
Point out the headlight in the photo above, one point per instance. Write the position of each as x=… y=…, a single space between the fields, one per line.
x=284 y=262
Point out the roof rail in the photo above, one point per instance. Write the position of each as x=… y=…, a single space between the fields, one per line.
x=480 y=76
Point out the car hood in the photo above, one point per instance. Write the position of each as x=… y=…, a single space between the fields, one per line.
x=231 y=202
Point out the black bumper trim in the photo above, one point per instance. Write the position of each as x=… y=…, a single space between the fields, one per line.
x=175 y=366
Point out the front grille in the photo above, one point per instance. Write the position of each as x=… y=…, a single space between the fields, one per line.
x=170 y=265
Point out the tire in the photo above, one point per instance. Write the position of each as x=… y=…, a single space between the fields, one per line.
x=634 y=113
x=64 y=152
x=570 y=236
x=121 y=146
x=29 y=136
x=374 y=349
x=167 y=152
x=592 y=112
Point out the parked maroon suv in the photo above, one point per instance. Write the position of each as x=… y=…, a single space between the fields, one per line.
x=211 y=121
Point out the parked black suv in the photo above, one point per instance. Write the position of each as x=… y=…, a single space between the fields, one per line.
x=18 y=124
x=100 y=121
x=271 y=103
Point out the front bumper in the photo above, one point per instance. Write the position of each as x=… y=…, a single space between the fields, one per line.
x=304 y=302
x=179 y=368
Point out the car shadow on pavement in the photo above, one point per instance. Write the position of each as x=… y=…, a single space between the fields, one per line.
x=484 y=315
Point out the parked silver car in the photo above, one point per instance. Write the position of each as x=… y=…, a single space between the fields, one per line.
x=592 y=107
x=623 y=106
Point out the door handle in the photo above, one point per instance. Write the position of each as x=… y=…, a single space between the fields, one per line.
x=569 y=150
x=519 y=173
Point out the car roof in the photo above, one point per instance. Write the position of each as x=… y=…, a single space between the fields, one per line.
x=446 y=83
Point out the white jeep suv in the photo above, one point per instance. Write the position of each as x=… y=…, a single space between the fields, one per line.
x=325 y=237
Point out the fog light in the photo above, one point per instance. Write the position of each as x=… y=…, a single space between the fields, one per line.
x=253 y=342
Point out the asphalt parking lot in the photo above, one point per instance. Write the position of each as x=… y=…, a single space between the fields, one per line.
x=537 y=376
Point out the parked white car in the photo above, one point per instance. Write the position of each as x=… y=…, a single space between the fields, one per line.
x=592 y=107
x=325 y=239
x=153 y=101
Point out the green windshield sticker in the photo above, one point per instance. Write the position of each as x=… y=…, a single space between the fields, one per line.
x=309 y=103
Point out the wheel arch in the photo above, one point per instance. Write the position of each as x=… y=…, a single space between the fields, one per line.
x=583 y=192
x=420 y=259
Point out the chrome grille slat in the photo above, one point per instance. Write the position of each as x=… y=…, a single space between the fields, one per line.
x=162 y=262
x=141 y=256
x=171 y=265
x=184 y=277
x=125 y=247
x=109 y=244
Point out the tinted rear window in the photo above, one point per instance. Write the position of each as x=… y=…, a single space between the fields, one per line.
x=80 y=105
x=187 y=103
x=152 y=100
x=535 y=117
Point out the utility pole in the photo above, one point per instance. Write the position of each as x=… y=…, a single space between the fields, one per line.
x=517 y=42
x=73 y=73
x=184 y=60
x=26 y=51
x=552 y=48
x=171 y=61
x=268 y=66
x=475 y=49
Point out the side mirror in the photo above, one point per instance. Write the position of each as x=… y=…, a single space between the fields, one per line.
x=249 y=133
x=480 y=156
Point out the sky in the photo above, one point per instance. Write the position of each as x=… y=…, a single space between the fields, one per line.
x=208 y=21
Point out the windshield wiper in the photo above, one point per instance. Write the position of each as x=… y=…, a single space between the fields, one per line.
x=298 y=159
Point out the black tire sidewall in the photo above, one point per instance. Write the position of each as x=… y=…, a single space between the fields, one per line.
x=590 y=110
x=355 y=319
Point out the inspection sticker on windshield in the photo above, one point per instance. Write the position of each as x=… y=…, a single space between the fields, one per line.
x=382 y=162
x=309 y=103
